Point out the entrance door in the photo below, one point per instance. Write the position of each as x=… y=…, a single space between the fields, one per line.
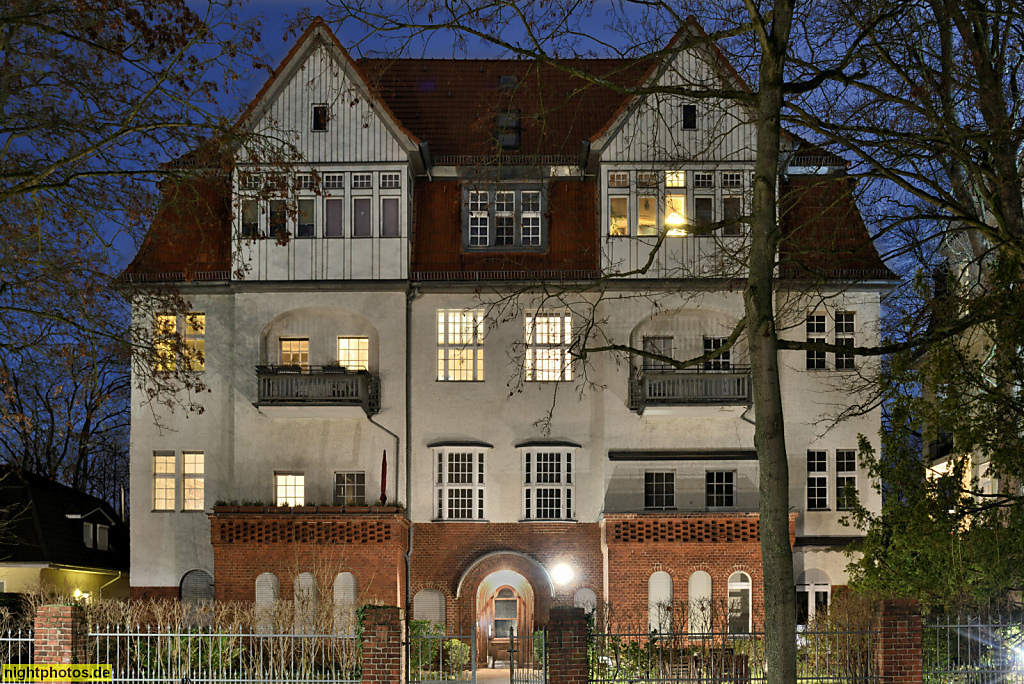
x=505 y=612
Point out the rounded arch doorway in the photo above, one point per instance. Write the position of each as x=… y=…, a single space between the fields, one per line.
x=505 y=606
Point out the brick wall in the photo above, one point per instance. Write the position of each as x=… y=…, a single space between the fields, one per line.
x=567 y=646
x=371 y=546
x=141 y=593
x=898 y=652
x=60 y=636
x=382 y=645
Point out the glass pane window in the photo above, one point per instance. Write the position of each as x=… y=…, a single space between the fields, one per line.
x=479 y=218
x=290 y=489
x=250 y=218
x=660 y=490
x=723 y=361
x=278 y=219
x=459 y=484
x=618 y=216
x=846 y=479
x=294 y=352
x=675 y=179
x=335 y=209
x=662 y=346
x=732 y=211
x=361 y=226
x=354 y=353
x=165 y=337
x=350 y=489
x=719 y=489
x=815 y=329
x=321 y=115
x=703 y=179
x=306 y=227
x=362 y=181
x=164 y=476
x=389 y=220
x=647 y=215
x=618 y=179
x=704 y=211
x=531 y=218
x=817 y=480
x=193 y=480
x=548 y=338
x=460 y=344
x=648 y=179
x=675 y=214
x=548 y=484
x=334 y=181
x=732 y=179
x=390 y=180
x=845 y=324
x=504 y=218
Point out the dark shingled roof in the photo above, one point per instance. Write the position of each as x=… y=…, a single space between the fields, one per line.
x=35 y=528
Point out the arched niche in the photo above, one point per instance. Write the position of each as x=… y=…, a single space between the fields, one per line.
x=322 y=327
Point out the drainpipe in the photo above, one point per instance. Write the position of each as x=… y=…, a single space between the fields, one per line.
x=119 y=573
x=414 y=292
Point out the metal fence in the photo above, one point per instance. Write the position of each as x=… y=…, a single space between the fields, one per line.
x=442 y=658
x=528 y=658
x=973 y=650
x=208 y=656
x=841 y=656
x=16 y=646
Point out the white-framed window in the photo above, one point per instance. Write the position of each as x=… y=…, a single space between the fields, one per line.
x=164 y=480
x=618 y=179
x=390 y=181
x=334 y=181
x=846 y=479
x=662 y=345
x=305 y=220
x=460 y=345
x=334 y=216
x=845 y=325
x=732 y=179
x=618 y=214
x=459 y=483
x=362 y=221
x=699 y=596
x=390 y=221
x=659 y=490
x=350 y=488
x=87 y=534
x=165 y=333
x=720 y=489
x=703 y=212
x=732 y=213
x=193 y=474
x=548 y=483
x=659 y=602
x=817 y=480
x=250 y=215
x=278 y=219
x=362 y=181
x=703 y=179
x=739 y=603
x=354 y=353
x=506 y=216
x=102 y=537
x=289 y=489
x=813 y=593
x=815 y=330
x=548 y=339
x=723 y=361
x=195 y=340
x=294 y=352
x=321 y=116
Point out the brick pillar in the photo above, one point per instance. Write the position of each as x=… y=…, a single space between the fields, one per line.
x=60 y=636
x=898 y=651
x=567 y=646
x=382 y=645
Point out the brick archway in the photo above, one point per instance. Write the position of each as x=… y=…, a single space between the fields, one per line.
x=482 y=567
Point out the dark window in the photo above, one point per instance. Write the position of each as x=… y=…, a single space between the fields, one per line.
x=250 y=218
x=661 y=346
x=844 y=337
x=817 y=480
x=815 y=333
x=306 y=221
x=704 y=210
x=361 y=217
x=732 y=209
x=846 y=479
x=507 y=129
x=350 y=489
x=660 y=490
x=721 y=362
x=503 y=217
x=278 y=219
x=689 y=117
x=389 y=224
x=321 y=115
x=335 y=211
x=720 y=489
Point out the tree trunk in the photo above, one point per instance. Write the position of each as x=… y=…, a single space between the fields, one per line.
x=769 y=432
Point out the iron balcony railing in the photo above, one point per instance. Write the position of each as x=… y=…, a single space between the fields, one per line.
x=690 y=387
x=318 y=386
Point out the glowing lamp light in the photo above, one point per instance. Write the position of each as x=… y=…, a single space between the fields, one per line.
x=562 y=574
x=675 y=222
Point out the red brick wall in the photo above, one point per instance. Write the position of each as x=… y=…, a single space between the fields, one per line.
x=898 y=658
x=370 y=546
x=382 y=645
x=567 y=646
x=60 y=636
x=154 y=593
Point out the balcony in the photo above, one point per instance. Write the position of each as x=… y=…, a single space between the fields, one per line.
x=691 y=387
x=316 y=391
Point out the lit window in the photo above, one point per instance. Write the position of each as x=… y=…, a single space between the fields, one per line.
x=618 y=216
x=739 y=603
x=362 y=181
x=321 y=115
x=662 y=346
x=647 y=215
x=295 y=352
x=459 y=484
x=844 y=337
x=460 y=344
x=675 y=214
x=506 y=606
x=306 y=220
x=165 y=336
x=163 y=480
x=723 y=361
x=354 y=353
x=720 y=489
x=703 y=179
x=675 y=179
x=548 y=483
x=390 y=181
x=689 y=117
x=660 y=490
x=548 y=339
x=350 y=489
x=193 y=481
x=618 y=179
x=846 y=479
x=195 y=340
x=290 y=489
x=503 y=217
x=815 y=333
x=817 y=480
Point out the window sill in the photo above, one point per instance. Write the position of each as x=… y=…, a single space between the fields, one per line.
x=459 y=381
x=459 y=520
x=548 y=520
x=819 y=510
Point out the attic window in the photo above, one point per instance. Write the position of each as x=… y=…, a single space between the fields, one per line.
x=102 y=534
x=508 y=82
x=321 y=115
x=689 y=117
x=507 y=129
x=87 y=534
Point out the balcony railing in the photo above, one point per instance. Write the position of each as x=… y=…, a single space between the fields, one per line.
x=318 y=386
x=690 y=387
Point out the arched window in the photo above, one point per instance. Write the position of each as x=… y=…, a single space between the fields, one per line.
x=346 y=600
x=429 y=604
x=196 y=587
x=813 y=592
x=586 y=599
x=266 y=589
x=659 y=602
x=739 y=603
x=306 y=597
x=506 y=613
x=699 y=595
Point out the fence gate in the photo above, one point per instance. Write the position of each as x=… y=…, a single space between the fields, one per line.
x=528 y=657
x=442 y=659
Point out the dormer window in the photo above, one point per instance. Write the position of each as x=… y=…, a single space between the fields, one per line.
x=506 y=216
x=96 y=536
x=321 y=115
x=508 y=130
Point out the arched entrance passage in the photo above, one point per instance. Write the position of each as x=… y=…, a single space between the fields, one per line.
x=491 y=589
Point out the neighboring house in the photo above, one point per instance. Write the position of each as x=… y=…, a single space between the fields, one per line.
x=430 y=190
x=55 y=537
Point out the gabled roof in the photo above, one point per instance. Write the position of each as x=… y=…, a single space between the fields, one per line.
x=41 y=522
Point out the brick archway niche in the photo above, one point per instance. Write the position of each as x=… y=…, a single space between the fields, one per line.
x=494 y=570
